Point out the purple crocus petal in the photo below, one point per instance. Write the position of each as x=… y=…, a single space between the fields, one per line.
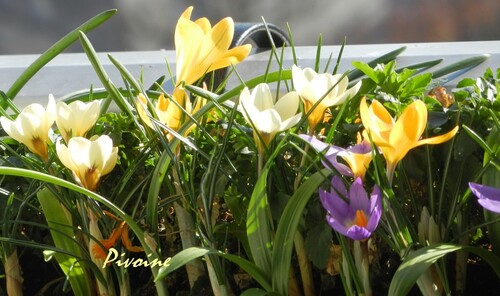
x=361 y=148
x=375 y=209
x=340 y=167
x=336 y=225
x=315 y=143
x=338 y=187
x=335 y=206
x=358 y=233
x=330 y=154
x=488 y=197
x=358 y=197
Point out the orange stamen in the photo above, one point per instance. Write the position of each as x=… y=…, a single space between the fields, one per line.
x=360 y=219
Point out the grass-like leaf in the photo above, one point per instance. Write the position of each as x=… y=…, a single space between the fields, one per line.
x=420 y=260
x=56 y=49
x=289 y=221
x=187 y=255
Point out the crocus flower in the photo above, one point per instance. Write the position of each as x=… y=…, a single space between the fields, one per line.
x=395 y=139
x=31 y=127
x=77 y=118
x=201 y=48
x=488 y=197
x=313 y=87
x=352 y=213
x=168 y=112
x=89 y=160
x=358 y=157
x=267 y=116
x=120 y=232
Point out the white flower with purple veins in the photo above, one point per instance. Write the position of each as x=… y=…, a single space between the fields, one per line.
x=352 y=213
x=488 y=197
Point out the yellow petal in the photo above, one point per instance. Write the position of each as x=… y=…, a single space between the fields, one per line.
x=439 y=139
x=201 y=48
x=141 y=103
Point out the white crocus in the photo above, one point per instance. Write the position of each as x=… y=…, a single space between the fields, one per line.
x=89 y=160
x=267 y=116
x=31 y=127
x=330 y=89
x=77 y=118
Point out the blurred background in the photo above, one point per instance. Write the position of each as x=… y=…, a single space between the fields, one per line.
x=32 y=26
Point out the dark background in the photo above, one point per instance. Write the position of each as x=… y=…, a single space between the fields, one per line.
x=31 y=26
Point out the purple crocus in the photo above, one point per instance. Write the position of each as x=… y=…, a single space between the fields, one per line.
x=359 y=216
x=488 y=197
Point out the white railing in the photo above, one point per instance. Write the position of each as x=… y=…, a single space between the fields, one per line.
x=69 y=73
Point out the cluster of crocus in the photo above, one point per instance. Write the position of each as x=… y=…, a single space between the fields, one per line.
x=200 y=49
x=396 y=138
x=268 y=116
x=352 y=213
x=488 y=197
x=327 y=89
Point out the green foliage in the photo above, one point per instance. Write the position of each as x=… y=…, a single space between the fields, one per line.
x=256 y=212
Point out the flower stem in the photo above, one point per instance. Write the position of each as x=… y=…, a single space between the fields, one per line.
x=304 y=263
x=13 y=275
x=363 y=265
x=195 y=268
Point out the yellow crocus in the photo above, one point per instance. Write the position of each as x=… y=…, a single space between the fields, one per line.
x=201 y=48
x=168 y=112
x=396 y=138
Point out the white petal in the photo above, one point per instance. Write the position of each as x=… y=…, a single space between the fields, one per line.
x=287 y=105
x=65 y=156
x=268 y=121
x=111 y=162
x=262 y=98
x=290 y=122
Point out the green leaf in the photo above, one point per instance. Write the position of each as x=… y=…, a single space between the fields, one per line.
x=318 y=242
x=103 y=76
x=189 y=254
x=259 y=224
x=367 y=70
x=56 y=49
x=160 y=286
x=282 y=253
x=468 y=63
x=61 y=230
x=420 y=260
x=390 y=56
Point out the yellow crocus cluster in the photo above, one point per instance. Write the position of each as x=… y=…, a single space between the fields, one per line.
x=199 y=48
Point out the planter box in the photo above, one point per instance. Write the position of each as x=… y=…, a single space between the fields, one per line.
x=68 y=73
